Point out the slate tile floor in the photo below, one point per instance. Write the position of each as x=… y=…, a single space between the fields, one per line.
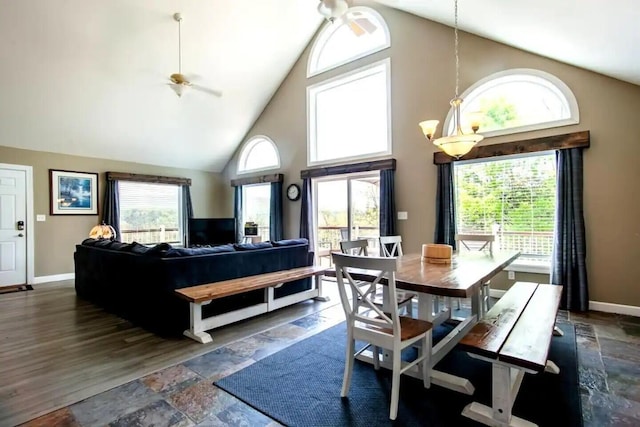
x=183 y=395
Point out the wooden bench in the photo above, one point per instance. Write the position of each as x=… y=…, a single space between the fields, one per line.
x=203 y=294
x=514 y=336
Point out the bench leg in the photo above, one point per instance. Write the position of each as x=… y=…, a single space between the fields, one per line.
x=557 y=332
x=196 y=330
x=320 y=297
x=505 y=385
x=551 y=367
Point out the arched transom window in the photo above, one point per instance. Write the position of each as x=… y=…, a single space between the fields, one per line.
x=361 y=32
x=517 y=100
x=259 y=153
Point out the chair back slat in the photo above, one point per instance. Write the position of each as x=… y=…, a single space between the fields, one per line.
x=361 y=309
x=475 y=242
x=354 y=247
x=391 y=246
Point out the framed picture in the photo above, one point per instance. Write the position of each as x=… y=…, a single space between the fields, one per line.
x=73 y=193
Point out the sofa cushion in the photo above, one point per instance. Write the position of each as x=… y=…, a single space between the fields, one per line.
x=289 y=242
x=116 y=245
x=160 y=250
x=252 y=246
x=178 y=252
x=135 y=247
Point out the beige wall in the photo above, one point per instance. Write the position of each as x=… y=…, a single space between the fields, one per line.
x=55 y=239
x=422 y=79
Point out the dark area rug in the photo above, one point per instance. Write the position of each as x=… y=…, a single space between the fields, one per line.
x=300 y=386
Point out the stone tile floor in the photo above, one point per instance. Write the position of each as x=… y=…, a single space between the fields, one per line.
x=183 y=395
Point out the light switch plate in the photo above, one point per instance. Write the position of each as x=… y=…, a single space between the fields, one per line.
x=403 y=215
x=41 y=218
x=511 y=275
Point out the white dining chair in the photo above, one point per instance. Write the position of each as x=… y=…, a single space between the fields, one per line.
x=367 y=322
x=478 y=242
x=391 y=246
x=359 y=247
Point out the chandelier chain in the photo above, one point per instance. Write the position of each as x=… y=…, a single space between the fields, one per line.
x=180 y=47
x=455 y=31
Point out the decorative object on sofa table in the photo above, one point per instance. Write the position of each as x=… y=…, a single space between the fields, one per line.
x=435 y=253
x=250 y=229
x=458 y=144
x=73 y=193
x=103 y=231
x=293 y=192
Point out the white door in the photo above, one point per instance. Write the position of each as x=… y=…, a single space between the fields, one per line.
x=13 y=241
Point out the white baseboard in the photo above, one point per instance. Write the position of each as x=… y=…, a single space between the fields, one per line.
x=605 y=307
x=608 y=307
x=53 y=278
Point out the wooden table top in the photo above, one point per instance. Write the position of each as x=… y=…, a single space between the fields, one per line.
x=460 y=279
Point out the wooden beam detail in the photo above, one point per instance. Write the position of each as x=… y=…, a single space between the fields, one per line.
x=556 y=142
x=276 y=177
x=156 y=179
x=352 y=168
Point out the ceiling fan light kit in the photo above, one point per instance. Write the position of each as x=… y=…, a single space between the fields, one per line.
x=332 y=9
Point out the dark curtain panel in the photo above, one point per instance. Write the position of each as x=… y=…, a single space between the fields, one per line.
x=568 y=266
x=445 y=207
x=237 y=212
x=111 y=211
x=387 y=203
x=187 y=212
x=275 y=212
x=306 y=213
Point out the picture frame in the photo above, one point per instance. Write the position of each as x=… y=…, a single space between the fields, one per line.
x=73 y=193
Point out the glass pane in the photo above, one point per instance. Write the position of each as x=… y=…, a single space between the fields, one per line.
x=260 y=154
x=351 y=118
x=514 y=199
x=514 y=101
x=365 y=211
x=149 y=213
x=332 y=217
x=344 y=44
x=256 y=201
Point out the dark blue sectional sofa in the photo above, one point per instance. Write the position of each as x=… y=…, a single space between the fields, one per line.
x=138 y=282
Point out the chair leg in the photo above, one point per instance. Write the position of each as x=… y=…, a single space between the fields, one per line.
x=395 y=384
x=348 y=365
x=376 y=357
x=426 y=362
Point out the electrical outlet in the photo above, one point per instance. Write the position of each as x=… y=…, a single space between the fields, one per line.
x=511 y=275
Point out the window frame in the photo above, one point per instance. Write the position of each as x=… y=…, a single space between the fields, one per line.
x=518 y=265
x=560 y=86
x=245 y=152
x=327 y=32
x=244 y=206
x=345 y=78
x=181 y=220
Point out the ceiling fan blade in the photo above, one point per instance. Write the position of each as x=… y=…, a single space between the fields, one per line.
x=207 y=90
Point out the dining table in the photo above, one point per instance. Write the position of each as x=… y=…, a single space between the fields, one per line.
x=435 y=284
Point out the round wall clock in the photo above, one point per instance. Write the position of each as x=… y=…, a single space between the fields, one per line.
x=293 y=192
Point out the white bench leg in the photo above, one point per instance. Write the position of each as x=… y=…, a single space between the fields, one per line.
x=505 y=385
x=557 y=332
x=196 y=331
x=551 y=367
x=320 y=297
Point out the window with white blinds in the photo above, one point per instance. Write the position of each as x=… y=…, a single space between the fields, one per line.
x=514 y=199
x=150 y=213
x=256 y=207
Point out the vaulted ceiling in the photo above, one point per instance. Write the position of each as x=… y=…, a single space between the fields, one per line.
x=88 y=77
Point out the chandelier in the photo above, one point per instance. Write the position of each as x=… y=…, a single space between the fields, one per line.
x=459 y=143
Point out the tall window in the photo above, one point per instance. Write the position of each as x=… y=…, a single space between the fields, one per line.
x=256 y=202
x=516 y=101
x=349 y=115
x=150 y=213
x=514 y=199
x=258 y=153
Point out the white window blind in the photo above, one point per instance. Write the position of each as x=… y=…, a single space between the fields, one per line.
x=514 y=199
x=150 y=213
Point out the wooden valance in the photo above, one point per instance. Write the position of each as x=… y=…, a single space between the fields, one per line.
x=546 y=143
x=377 y=165
x=276 y=177
x=155 y=179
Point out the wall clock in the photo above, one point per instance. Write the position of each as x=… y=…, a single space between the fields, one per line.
x=293 y=192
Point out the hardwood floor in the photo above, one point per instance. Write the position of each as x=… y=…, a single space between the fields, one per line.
x=57 y=349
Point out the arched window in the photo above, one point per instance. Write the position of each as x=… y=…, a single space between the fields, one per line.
x=259 y=153
x=517 y=100
x=361 y=32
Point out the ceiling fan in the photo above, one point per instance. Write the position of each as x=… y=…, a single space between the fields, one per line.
x=179 y=82
x=339 y=11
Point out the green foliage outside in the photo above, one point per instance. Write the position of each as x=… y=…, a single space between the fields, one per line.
x=142 y=219
x=498 y=114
